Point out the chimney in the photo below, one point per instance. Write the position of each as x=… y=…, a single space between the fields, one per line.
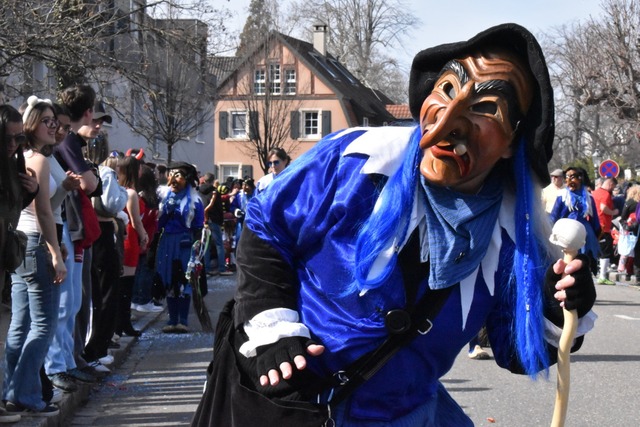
x=320 y=38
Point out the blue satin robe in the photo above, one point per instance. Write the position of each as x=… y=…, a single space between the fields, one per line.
x=311 y=213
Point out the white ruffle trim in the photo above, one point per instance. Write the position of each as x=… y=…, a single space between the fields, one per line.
x=269 y=326
x=552 y=332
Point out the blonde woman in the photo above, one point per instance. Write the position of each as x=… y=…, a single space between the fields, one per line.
x=34 y=292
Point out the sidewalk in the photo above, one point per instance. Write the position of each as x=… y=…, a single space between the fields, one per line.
x=72 y=401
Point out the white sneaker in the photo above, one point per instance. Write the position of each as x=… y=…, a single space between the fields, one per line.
x=106 y=360
x=478 y=353
x=149 y=307
x=99 y=367
x=57 y=396
x=6 y=417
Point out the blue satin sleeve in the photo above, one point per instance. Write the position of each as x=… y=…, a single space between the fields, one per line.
x=310 y=214
x=319 y=193
x=198 y=218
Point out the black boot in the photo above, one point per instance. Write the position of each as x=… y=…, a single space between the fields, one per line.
x=124 y=325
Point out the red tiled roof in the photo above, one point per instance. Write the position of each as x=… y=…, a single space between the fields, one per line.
x=399 y=111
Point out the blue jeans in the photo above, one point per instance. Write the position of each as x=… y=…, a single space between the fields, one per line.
x=60 y=356
x=33 y=322
x=143 y=282
x=216 y=238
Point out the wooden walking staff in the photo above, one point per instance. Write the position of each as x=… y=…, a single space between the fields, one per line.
x=570 y=235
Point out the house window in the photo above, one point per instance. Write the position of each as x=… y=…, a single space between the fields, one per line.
x=344 y=72
x=229 y=170
x=290 y=82
x=39 y=71
x=323 y=63
x=157 y=146
x=259 y=82
x=238 y=124
x=310 y=124
x=274 y=79
x=199 y=130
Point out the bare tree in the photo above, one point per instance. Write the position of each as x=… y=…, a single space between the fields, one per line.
x=596 y=69
x=144 y=58
x=170 y=108
x=362 y=31
x=269 y=111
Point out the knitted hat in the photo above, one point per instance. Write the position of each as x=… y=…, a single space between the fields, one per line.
x=538 y=125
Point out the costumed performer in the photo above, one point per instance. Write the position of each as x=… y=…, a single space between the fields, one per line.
x=370 y=218
x=180 y=223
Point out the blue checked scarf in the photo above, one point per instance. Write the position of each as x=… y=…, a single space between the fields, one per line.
x=459 y=229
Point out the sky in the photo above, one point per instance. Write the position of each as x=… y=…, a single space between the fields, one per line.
x=456 y=20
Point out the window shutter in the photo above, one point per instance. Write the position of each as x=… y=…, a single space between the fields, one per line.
x=247 y=171
x=326 y=123
x=223 y=125
x=295 y=125
x=253 y=125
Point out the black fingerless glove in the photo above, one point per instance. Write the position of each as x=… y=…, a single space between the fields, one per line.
x=581 y=296
x=270 y=356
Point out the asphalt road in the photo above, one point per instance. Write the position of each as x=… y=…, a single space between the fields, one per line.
x=161 y=381
x=605 y=376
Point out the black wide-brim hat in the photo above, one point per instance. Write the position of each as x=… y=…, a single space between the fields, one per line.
x=189 y=170
x=538 y=123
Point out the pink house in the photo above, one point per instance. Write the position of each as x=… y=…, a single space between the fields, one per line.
x=286 y=93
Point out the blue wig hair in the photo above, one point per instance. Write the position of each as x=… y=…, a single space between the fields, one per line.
x=529 y=264
x=390 y=218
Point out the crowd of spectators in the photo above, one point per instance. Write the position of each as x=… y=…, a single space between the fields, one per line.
x=101 y=233
x=608 y=209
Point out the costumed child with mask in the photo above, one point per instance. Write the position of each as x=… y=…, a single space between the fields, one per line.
x=181 y=218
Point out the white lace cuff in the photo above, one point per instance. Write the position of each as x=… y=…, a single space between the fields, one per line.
x=269 y=326
x=552 y=332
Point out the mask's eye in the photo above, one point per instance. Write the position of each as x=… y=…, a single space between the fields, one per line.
x=485 y=107
x=449 y=90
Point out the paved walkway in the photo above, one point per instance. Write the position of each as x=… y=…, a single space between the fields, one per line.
x=72 y=401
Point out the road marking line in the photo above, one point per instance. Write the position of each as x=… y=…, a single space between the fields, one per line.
x=622 y=316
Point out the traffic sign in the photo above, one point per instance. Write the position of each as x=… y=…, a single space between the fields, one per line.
x=609 y=168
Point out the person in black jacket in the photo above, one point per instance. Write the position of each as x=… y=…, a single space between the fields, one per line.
x=214 y=219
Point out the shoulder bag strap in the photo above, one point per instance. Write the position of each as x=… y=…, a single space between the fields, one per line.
x=403 y=324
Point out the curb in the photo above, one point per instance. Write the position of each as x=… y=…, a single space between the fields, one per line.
x=624 y=279
x=72 y=401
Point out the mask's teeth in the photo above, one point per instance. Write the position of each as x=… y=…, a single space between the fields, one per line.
x=460 y=149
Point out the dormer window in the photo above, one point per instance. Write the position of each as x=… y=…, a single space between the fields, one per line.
x=274 y=79
x=259 y=82
x=289 y=82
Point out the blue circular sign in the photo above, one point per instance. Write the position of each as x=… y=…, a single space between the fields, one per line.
x=609 y=168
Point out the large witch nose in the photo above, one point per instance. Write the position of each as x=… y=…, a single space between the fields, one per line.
x=450 y=121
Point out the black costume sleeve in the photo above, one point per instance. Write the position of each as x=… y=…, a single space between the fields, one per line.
x=580 y=297
x=265 y=279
